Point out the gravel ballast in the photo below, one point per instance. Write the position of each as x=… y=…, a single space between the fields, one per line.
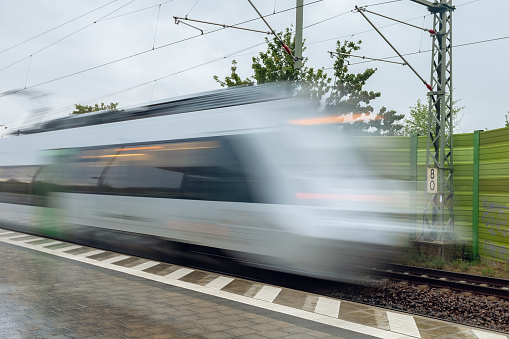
x=464 y=308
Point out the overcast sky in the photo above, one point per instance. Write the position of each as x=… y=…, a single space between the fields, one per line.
x=134 y=42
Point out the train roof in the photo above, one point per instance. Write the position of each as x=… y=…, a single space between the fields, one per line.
x=235 y=96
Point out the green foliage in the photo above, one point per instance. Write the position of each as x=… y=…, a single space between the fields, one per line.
x=413 y=256
x=387 y=122
x=461 y=265
x=464 y=266
x=507 y=120
x=81 y=109
x=464 y=252
x=347 y=93
x=488 y=271
x=417 y=123
x=276 y=65
x=346 y=96
x=437 y=263
x=233 y=79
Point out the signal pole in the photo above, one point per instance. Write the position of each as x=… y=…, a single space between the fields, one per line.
x=438 y=215
x=298 y=34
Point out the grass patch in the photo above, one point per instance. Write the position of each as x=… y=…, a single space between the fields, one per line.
x=463 y=260
x=488 y=272
x=437 y=263
x=464 y=266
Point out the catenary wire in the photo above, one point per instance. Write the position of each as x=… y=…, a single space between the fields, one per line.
x=429 y=50
x=33 y=117
x=57 y=111
x=157 y=23
x=136 y=11
x=262 y=43
x=58 y=26
x=370 y=30
x=196 y=3
x=381 y=3
x=138 y=54
x=65 y=37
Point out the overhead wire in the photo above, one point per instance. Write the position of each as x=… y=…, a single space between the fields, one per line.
x=65 y=37
x=136 y=11
x=157 y=23
x=370 y=30
x=33 y=117
x=58 y=26
x=235 y=53
x=429 y=50
x=362 y=32
x=381 y=3
x=139 y=53
x=192 y=7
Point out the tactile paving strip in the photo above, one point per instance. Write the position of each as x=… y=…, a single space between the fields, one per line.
x=357 y=317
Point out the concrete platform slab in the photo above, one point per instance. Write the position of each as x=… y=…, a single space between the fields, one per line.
x=50 y=292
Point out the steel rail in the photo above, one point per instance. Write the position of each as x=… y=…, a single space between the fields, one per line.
x=445 y=279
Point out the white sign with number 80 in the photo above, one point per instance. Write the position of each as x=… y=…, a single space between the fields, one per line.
x=432 y=181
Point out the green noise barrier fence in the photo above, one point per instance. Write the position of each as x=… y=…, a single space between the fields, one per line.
x=481 y=183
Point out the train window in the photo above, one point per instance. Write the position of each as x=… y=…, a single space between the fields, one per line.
x=214 y=174
x=16 y=184
x=89 y=166
x=141 y=173
x=204 y=169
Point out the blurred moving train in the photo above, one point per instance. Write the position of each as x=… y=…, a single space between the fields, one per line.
x=249 y=173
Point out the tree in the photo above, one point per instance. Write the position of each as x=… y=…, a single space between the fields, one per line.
x=507 y=120
x=349 y=98
x=417 y=123
x=81 y=109
x=346 y=97
x=387 y=122
x=276 y=65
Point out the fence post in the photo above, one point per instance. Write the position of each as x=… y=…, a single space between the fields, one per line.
x=475 y=196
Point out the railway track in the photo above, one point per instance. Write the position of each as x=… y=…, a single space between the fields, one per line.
x=444 y=279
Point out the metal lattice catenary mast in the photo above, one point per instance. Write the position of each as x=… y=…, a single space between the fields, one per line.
x=438 y=218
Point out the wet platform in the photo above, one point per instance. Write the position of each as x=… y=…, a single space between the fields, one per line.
x=54 y=289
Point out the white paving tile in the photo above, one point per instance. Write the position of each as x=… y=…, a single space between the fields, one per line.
x=488 y=335
x=89 y=254
x=51 y=243
x=69 y=248
x=219 y=282
x=403 y=323
x=14 y=236
x=267 y=293
x=145 y=265
x=181 y=272
x=32 y=239
x=5 y=232
x=329 y=307
x=114 y=259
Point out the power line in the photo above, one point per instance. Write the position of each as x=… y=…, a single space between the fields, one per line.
x=52 y=29
x=136 y=11
x=196 y=3
x=65 y=37
x=369 y=30
x=429 y=50
x=153 y=81
x=236 y=53
x=362 y=32
x=332 y=17
x=33 y=117
x=381 y=3
x=137 y=54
